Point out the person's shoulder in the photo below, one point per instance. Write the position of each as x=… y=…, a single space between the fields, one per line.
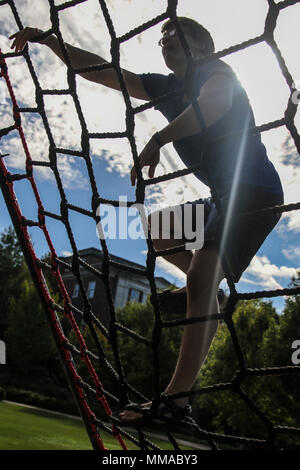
x=224 y=73
x=208 y=69
x=157 y=84
x=219 y=66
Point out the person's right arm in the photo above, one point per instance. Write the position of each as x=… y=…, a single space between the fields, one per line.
x=80 y=58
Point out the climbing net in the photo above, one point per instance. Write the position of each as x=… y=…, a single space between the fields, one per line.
x=85 y=394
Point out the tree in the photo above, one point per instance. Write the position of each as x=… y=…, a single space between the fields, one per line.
x=278 y=349
x=12 y=271
x=136 y=357
x=225 y=411
x=32 y=358
x=265 y=339
x=50 y=278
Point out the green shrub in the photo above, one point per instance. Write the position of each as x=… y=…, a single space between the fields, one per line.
x=41 y=401
x=2 y=394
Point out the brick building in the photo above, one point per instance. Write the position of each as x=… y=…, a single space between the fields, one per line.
x=127 y=281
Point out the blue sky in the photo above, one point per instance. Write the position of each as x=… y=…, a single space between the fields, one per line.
x=278 y=259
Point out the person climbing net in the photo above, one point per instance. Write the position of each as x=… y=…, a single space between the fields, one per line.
x=210 y=124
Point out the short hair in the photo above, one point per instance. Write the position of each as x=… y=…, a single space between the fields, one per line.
x=198 y=32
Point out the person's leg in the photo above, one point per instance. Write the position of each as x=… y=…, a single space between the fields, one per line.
x=164 y=239
x=203 y=278
x=180 y=260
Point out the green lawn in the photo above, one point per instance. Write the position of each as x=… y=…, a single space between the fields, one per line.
x=23 y=428
x=28 y=429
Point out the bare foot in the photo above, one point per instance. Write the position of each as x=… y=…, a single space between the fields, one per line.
x=132 y=415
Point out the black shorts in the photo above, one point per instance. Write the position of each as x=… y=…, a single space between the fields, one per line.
x=238 y=239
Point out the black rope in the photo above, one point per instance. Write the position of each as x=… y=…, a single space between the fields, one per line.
x=115 y=328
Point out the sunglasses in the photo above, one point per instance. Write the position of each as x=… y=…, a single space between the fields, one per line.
x=166 y=36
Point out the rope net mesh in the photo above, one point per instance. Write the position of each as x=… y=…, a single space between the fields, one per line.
x=88 y=395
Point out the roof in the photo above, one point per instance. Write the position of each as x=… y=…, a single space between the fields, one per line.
x=122 y=261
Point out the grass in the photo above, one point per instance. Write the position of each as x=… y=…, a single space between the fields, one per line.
x=23 y=428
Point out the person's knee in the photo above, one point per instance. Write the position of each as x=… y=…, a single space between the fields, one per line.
x=197 y=281
x=204 y=274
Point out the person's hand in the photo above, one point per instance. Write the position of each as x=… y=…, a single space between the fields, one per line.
x=22 y=37
x=148 y=157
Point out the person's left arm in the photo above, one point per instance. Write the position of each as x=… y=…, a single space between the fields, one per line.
x=214 y=101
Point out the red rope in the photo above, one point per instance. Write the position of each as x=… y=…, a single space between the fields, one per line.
x=55 y=270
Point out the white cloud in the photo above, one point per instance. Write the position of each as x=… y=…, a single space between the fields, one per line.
x=169 y=269
x=83 y=25
x=66 y=253
x=292 y=253
x=266 y=274
x=292 y=225
x=2 y=94
x=261 y=272
x=103 y=109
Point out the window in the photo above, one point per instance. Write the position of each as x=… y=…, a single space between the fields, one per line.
x=135 y=295
x=75 y=291
x=91 y=289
